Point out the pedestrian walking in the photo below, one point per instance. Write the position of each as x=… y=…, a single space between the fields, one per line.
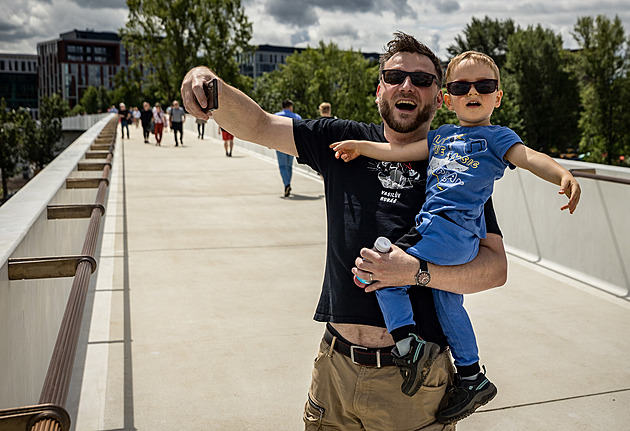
x=177 y=118
x=285 y=161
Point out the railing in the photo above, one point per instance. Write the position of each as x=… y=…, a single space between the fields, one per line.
x=590 y=173
x=81 y=122
x=50 y=413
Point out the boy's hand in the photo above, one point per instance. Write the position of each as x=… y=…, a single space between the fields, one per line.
x=346 y=150
x=571 y=188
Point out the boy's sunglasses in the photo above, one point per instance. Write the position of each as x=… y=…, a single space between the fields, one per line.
x=418 y=79
x=484 y=86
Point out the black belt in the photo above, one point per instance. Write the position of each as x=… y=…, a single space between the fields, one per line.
x=358 y=354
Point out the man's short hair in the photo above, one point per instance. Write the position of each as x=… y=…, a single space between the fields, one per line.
x=324 y=108
x=286 y=103
x=475 y=57
x=403 y=42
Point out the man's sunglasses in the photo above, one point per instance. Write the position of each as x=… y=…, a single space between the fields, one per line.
x=418 y=79
x=461 y=88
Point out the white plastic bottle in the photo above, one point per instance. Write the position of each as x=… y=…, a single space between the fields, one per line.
x=382 y=245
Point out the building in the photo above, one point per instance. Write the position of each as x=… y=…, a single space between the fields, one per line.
x=78 y=59
x=18 y=81
x=268 y=58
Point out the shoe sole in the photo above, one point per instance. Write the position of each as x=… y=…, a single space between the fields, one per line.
x=475 y=403
x=429 y=358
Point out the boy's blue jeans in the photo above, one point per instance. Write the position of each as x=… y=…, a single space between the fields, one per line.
x=285 y=163
x=443 y=243
x=396 y=308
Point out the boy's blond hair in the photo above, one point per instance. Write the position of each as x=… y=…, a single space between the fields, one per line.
x=473 y=56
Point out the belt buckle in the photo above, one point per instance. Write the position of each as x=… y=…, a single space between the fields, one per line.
x=378 y=355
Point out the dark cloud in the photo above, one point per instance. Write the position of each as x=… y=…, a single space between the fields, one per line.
x=402 y=9
x=10 y=32
x=352 y=6
x=101 y=4
x=291 y=13
x=298 y=14
x=446 y=6
x=299 y=37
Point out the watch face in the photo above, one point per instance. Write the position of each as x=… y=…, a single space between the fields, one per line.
x=424 y=278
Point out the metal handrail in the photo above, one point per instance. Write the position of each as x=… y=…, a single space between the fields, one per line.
x=50 y=414
x=590 y=173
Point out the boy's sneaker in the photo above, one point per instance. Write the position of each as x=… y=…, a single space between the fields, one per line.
x=465 y=397
x=415 y=365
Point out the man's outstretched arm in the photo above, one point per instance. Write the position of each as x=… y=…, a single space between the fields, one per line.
x=237 y=113
x=397 y=268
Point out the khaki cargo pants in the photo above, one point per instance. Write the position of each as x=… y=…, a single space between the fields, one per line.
x=346 y=397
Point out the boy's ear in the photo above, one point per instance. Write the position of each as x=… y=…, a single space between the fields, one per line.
x=448 y=101
x=497 y=102
x=378 y=90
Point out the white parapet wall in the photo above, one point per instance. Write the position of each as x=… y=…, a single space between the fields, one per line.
x=31 y=310
x=591 y=245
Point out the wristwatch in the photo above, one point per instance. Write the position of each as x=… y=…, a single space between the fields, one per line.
x=423 y=277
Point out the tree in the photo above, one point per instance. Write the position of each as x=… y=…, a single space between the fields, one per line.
x=43 y=149
x=544 y=92
x=602 y=65
x=487 y=36
x=345 y=79
x=95 y=99
x=11 y=140
x=128 y=87
x=170 y=37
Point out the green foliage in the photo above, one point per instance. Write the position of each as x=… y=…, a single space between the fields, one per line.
x=487 y=36
x=127 y=88
x=542 y=90
x=170 y=37
x=602 y=66
x=43 y=149
x=12 y=135
x=345 y=79
x=95 y=100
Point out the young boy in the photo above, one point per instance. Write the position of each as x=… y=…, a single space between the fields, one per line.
x=464 y=162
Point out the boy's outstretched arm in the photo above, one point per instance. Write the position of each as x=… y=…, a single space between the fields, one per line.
x=548 y=169
x=350 y=150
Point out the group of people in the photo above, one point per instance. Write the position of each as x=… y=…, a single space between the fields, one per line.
x=154 y=120
x=427 y=191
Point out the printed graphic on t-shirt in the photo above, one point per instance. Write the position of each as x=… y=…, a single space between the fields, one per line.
x=395 y=176
x=452 y=155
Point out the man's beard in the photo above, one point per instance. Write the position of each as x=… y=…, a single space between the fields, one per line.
x=425 y=114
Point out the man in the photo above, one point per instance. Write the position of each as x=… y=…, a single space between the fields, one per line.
x=355 y=386
x=285 y=161
x=177 y=119
x=325 y=110
x=125 y=117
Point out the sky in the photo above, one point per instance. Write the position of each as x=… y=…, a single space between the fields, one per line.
x=364 y=25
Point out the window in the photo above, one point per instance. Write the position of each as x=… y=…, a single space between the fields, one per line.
x=1 y=64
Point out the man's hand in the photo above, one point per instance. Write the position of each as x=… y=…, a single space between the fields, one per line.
x=346 y=150
x=395 y=268
x=193 y=95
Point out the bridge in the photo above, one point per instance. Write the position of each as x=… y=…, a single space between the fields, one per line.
x=198 y=315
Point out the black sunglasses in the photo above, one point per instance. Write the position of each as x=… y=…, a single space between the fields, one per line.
x=484 y=86
x=418 y=79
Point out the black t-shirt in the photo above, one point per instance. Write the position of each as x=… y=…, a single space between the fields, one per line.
x=124 y=115
x=145 y=117
x=365 y=199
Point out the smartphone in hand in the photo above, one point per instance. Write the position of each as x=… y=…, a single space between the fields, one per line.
x=212 y=94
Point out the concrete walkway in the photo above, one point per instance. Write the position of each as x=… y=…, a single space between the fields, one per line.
x=201 y=313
